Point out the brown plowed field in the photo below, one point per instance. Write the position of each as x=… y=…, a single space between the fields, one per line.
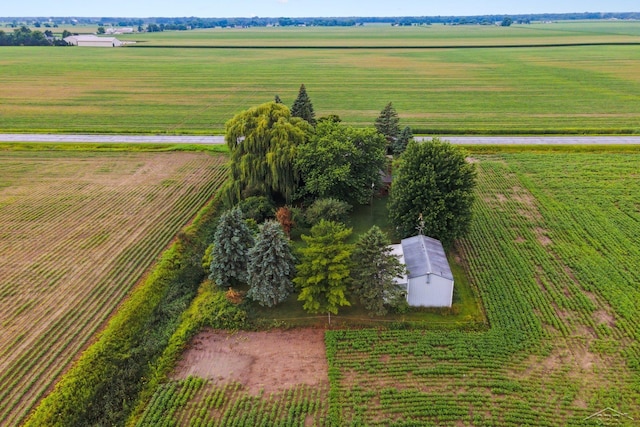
x=77 y=231
x=270 y=361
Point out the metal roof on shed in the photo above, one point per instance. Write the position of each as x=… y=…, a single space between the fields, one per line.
x=425 y=255
x=89 y=38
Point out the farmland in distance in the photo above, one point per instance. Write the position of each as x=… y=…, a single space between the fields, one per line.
x=385 y=35
x=436 y=81
x=78 y=231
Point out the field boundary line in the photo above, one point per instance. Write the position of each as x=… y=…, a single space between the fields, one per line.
x=392 y=47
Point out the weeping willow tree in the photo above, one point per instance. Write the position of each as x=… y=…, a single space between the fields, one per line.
x=263 y=144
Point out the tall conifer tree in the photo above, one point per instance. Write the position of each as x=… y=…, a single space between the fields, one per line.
x=271 y=266
x=374 y=270
x=231 y=244
x=303 y=108
x=388 y=124
x=400 y=144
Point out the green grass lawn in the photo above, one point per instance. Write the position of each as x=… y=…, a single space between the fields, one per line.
x=465 y=313
x=364 y=217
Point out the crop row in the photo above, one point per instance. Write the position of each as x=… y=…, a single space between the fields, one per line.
x=89 y=245
x=596 y=210
x=579 y=89
x=197 y=402
x=551 y=251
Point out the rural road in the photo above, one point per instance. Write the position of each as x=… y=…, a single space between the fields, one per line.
x=219 y=139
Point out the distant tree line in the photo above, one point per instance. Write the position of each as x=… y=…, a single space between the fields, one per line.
x=184 y=23
x=24 y=36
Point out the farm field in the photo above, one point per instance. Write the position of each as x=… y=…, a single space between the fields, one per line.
x=244 y=378
x=553 y=251
x=569 y=89
x=385 y=35
x=79 y=229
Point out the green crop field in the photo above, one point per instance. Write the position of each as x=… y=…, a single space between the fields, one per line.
x=384 y=35
x=553 y=251
x=543 y=89
x=78 y=229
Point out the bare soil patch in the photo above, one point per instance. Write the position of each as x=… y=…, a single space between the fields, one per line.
x=541 y=235
x=528 y=201
x=602 y=316
x=271 y=361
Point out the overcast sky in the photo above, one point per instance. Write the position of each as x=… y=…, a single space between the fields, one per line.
x=304 y=8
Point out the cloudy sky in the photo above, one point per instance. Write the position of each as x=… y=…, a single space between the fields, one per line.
x=304 y=8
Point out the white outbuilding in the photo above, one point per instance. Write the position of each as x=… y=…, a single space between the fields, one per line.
x=429 y=281
x=90 y=40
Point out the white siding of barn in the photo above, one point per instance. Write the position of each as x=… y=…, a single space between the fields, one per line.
x=430 y=291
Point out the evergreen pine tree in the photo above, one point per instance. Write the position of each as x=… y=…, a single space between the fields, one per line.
x=303 y=108
x=271 y=266
x=401 y=143
x=231 y=244
x=387 y=124
x=374 y=269
x=277 y=99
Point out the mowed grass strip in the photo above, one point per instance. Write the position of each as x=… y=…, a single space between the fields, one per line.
x=580 y=89
x=78 y=231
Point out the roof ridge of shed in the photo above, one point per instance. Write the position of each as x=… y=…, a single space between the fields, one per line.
x=426 y=253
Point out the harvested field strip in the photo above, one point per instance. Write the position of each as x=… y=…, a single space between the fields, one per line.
x=81 y=230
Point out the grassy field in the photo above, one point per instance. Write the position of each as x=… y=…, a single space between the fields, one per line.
x=78 y=231
x=384 y=35
x=553 y=250
x=571 y=89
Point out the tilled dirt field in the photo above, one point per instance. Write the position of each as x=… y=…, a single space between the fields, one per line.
x=272 y=361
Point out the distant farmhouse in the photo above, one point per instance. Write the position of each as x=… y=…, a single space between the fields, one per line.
x=91 y=40
x=119 y=30
x=429 y=281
